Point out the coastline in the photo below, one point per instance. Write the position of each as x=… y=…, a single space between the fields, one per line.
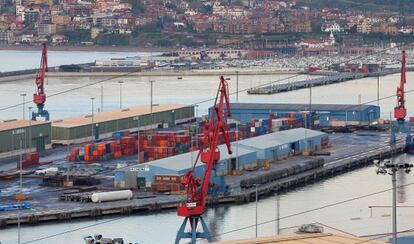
x=150 y=74
x=94 y=48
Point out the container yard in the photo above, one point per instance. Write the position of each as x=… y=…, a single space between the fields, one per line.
x=346 y=151
x=101 y=125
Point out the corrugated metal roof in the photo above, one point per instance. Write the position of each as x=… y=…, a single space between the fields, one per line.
x=183 y=161
x=304 y=238
x=280 y=138
x=300 y=107
x=16 y=124
x=114 y=115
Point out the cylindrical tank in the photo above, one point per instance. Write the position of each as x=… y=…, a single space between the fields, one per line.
x=111 y=196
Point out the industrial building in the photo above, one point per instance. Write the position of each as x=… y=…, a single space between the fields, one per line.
x=103 y=124
x=329 y=114
x=18 y=136
x=280 y=145
x=250 y=153
x=180 y=164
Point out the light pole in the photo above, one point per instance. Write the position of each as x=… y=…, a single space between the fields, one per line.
x=378 y=89
x=20 y=196
x=387 y=166
x=30 y=129
x=23 y=95
x=277 y=214
x=92 y=117
x=151 y=86
x=139 y=124
x=120 y=93
x=151 y=104
x=257 y=200
x=237 y=86
x=101 y=97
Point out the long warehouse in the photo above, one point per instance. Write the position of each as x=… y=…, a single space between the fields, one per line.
x=21 y=136
x=329 y=114
x=250 y=152
x=102 y=125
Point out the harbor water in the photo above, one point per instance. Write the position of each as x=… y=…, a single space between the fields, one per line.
x=161 y=227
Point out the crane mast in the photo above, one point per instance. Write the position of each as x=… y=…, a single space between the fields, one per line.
x=39 y=98
x=400 y=112
x=197 y=189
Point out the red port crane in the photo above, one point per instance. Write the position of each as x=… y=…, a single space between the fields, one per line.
x=39 y=98
x=197 y=189
x=400 y=112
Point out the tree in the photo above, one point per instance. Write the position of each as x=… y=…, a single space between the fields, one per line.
x=137 y=6
x=80 y=35
x=113 y=39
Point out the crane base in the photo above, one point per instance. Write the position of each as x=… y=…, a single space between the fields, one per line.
x=193 y=235
x=41 y=114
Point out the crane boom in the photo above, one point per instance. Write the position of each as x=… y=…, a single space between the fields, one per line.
x=197 y=190
x=39 y=98
x=400 y=112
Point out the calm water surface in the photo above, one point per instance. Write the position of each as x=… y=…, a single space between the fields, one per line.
x=161 y=228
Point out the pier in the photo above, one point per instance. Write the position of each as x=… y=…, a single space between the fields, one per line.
x=345 y=160
x=327 y=79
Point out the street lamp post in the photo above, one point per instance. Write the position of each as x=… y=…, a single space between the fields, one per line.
x=23 y=95
x=237 y=86
x=387 y=166
x=92 y=117
x=151 y=83
x=120 y=93
x=139 y=124
x=101 y=97
x=151 y=104
x=257 y=199
x=30 y=129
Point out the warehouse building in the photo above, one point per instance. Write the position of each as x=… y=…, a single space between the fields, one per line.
x=180 y=164
x=250 y=153
x=329 y=114
x=280 y=145
x=102 y=125
x=22 y=136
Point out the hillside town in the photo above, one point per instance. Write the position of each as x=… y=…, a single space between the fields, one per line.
x=196 y=23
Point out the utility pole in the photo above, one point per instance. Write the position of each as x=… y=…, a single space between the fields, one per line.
x=388 y=166
x=257 y=199
x=378 y=87
x=30 y=129
x=237 y=86
x=101 y=97
x=151 y=86
x=277 y=214
x=23 y=95
x=120 y=93
x=151 y=104
x=92 y=113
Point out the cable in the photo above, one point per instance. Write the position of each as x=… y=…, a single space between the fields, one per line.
x=313 y=210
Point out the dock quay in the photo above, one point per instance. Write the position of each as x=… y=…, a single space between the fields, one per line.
x=327 y=79
x=348 y=151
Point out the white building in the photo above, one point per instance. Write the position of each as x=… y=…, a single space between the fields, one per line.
x=335 y=27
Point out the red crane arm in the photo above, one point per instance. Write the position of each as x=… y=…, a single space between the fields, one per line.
x=39 y=97
x=400 y=112
x=209 y=154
